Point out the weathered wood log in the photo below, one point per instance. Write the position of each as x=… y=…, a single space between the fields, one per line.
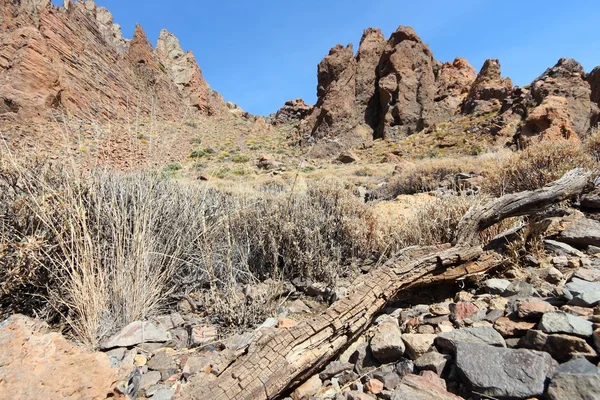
x=519 y=204
x=281 y=358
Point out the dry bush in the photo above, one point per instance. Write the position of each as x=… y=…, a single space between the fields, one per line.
x=424 y=175
x=432 y=222
x=102 y=250
x=536 y=166
x=591 y=143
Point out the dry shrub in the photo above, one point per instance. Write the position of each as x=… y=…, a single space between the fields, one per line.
x=432 y=222
x=536 y=166
x=591 y=144
x=102 y=250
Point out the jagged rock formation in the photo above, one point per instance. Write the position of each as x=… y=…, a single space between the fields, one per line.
x=293 y=111
x=74 y=61
x=395 y=88
x=489 y=89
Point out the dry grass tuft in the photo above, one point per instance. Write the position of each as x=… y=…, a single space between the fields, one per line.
x=536 y=166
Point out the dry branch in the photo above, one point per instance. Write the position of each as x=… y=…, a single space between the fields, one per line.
x=279 y=359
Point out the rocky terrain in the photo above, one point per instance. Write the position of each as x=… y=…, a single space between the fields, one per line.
x=395 y=240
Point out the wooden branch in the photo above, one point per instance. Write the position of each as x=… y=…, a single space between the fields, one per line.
x=519 y=204
x=279 y=359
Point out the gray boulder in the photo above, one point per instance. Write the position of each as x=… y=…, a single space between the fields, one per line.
x=447 y=341
x=584 y=232
x=562 y=249
x=496 y=286
x=577 y=379
x=500 y=372
x=562 y=322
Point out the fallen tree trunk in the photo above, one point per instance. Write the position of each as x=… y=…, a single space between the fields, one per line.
x=277 y=360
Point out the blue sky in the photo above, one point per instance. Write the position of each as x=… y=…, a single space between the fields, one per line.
x=261 y=53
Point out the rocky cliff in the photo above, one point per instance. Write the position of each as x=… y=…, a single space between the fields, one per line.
x=72 y=60
x=396 y=88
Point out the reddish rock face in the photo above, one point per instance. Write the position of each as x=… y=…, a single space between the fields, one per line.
x=549 y=121
x=371 y=48
x=453 y=82
x=568 y=79
x=74 y=61
x=489 y=89
x=406 y=87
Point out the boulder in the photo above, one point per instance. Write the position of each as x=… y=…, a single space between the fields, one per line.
x=519 y=288
x=560 y=347
x=335 y=368
x=577 y=379
x=499 y=372
x=387 y=343
x=548 y=121
x=292 y=112
x=447 y=341
x=582 y=233
x=562 y=322
x=508 y=327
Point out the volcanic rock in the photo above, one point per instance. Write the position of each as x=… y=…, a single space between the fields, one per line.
x=489 y=89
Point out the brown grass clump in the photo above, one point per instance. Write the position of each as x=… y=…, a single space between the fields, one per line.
x=536 y=166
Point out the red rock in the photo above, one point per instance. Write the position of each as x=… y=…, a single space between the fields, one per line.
x=462 y=311
x=488 y=90
x=534 y=309
x=38 y=364
x=417 y=387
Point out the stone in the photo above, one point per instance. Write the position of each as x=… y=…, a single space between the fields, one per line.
x=387 y=344
x=562 y=249
x=552 y=275
x=560 y=261
x=164 y=394
x=495 y=285
x=363 y=359
x=494 y=315
x=584 y=312
x=509 y=328
x=162 y=363
x=519 y=288
x=417 y=344
x=577 y=379
x=136 y=333
x=180 y=338
x=586 y=299
x=584 y=232
x=415 y=387
x=293 y=111
x=462 y=310
x=432 y=361
x=500 y=372
x=347 y=157
x=447 y=341
x=335 y=368
x=561 y=322
x=404 y=367
x=358 y=395
x=439 y=309
x=374 y=386
x=149 y=379
x=534 y=309
x=463 y=297
x=426 y=329
x=203 y=334
x=39 y=364
x=578 y=286
x=560 y=347
x=297 y=307
x=588 y=274
x=596 y=337
x=307 y=389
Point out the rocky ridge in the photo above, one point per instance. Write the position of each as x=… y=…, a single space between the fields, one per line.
x=395 y=88
x=72 y=60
